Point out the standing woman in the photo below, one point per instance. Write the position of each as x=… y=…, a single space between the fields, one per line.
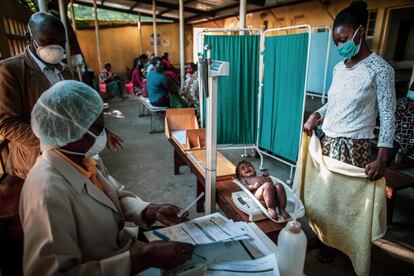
x=362 y=88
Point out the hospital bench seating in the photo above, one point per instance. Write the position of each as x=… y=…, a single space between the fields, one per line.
x=395 y=180
x=156 y=113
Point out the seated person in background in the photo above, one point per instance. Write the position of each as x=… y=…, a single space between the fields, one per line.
x=136 y=75
x=169 y=69
x=271 y=194
x=166 y=61
x=191 y=88
x=114 y=84
x=73 y=212
x=158 y=85
x=404 y=128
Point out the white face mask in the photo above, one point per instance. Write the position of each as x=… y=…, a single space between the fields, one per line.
x=97 y=147
x=410 y=94
x=52 y=54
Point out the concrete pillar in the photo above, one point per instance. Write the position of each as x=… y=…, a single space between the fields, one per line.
x=98 y=46
x=42 y=5
x=182 y=49
x=242 y=14
x=154 y=27
x=140 y=34
x=62 y=12
x=72 y=8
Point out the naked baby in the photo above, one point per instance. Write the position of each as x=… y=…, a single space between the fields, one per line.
x=271 y=194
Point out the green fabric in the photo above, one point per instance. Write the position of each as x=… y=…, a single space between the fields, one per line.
x=237 y=93
x=176 y=101
x=282 y=98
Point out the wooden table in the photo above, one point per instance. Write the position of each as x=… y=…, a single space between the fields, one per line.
x=395 y=180
x=224 y=188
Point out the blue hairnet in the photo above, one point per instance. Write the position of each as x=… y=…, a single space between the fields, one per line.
x=64 y=113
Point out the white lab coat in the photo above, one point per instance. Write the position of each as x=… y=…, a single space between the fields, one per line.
x=70 y=226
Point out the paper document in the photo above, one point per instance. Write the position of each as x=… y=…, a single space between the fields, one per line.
x=266 y=266
x=204 y=230
x=253 y=248
x=180 y=136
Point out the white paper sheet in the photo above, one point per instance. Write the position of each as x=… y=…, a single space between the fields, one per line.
x=266 y=266
x=204 y=230
x=254 y=248
x=180 y=136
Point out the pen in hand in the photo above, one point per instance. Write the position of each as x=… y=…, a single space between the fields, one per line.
x=188 y=207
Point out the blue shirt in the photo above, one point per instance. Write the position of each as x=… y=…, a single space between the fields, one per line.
x=155 y=85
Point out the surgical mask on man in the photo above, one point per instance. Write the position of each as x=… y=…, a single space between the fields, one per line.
x=349 y=48
x=410 y=94
x=52 y=54
x=97 y=147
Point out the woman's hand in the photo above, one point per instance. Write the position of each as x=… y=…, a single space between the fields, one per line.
x=164 y=213
x=160 y=254
x=375 y=169
x=114 y=142
x=311 y=124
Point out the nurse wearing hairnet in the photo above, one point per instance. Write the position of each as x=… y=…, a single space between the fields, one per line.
x=73 y=212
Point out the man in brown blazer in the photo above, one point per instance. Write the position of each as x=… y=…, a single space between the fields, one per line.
x=23 y=78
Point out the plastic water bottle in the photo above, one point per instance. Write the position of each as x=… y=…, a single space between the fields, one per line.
x=291 y=249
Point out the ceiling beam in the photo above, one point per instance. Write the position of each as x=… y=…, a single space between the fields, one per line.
x=260 y=3
x=134 y=6
x=199 y=16
x=123 y=10
x=176 y=7
x=196 y=17
x=168 y=10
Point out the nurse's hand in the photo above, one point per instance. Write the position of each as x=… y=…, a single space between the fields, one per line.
x=113 y=142
x=160 y=254
x=311 y=124
x=164 y=213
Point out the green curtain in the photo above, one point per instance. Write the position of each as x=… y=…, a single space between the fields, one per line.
x=282 y=98
x=237 y=93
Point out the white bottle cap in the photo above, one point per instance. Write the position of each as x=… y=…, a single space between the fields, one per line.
x=294 y=226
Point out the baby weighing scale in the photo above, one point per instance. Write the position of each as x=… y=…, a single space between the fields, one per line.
x=247 y=205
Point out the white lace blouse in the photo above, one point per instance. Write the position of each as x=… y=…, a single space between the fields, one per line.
x=355 y=98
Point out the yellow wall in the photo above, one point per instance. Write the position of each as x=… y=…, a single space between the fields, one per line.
x=120 y=46
x=313 y=14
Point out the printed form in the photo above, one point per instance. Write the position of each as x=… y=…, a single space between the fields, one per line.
x=204 y=230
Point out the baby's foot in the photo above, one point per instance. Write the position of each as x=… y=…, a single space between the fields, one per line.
x=285 y=215
x=272 y=213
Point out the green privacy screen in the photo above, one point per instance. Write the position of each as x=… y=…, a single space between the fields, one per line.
x=237 y=93
x=285 y=60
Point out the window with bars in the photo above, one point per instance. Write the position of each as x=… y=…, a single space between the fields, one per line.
x=372 y=20
x=16 y=35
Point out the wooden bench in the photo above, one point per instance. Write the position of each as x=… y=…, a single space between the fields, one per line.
x=153 y=111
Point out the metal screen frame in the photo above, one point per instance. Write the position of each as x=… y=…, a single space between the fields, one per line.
x=261 y=70
x=200 y=43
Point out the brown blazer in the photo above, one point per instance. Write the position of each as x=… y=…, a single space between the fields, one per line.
x=21 y=84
